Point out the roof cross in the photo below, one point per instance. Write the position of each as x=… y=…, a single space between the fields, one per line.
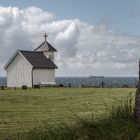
x=45 y=37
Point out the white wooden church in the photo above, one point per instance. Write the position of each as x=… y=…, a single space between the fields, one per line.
x=32 y=67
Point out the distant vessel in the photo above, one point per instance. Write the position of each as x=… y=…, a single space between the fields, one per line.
x=96 y=77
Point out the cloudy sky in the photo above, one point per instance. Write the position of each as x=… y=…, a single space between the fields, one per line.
x=93 y=37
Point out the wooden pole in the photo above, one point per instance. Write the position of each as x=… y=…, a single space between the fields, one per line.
x=136 y=113
x=139 y=72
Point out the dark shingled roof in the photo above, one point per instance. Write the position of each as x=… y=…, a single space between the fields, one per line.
x=51 y=48
x=38 y=59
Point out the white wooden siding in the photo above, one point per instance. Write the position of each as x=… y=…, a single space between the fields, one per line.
x=43 y=75
x=49 y=55
x=19 y=72
x=43 y=48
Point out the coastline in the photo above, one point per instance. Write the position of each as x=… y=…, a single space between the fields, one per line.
x=91 y=81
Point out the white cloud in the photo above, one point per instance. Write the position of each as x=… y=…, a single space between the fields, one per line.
x=83 y=49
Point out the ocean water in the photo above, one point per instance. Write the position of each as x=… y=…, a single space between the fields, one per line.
x=3 y=81
x=92 y=81
x=109 y=81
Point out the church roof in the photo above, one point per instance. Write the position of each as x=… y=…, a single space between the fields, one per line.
x=50 y=47
x=38 y=59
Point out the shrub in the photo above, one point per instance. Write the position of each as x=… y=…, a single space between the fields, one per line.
x=125 y=86
x=2 y=87
x=60 y=85
x=24 y=87
x=37 y=86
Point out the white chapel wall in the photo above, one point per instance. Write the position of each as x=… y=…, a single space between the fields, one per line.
x=43 y=76
x=19 y=73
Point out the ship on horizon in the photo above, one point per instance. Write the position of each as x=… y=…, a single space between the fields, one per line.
x=96 y=76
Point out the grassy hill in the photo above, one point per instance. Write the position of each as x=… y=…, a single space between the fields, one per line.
x=21 y=110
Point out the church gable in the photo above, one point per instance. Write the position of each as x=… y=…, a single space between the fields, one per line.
x=15 y=57
x=42 y=47
x=45 y=46
x=19 y=72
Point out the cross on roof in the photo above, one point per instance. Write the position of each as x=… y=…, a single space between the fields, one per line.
x=45 y=37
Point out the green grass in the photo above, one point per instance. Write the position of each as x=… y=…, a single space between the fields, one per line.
x=23 y=110
x=118 y=125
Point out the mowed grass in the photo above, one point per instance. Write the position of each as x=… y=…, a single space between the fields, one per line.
x=21 y=110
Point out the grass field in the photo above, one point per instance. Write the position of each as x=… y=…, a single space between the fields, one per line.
x=21 y=110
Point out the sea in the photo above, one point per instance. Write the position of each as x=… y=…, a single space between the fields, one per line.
x=91 y=81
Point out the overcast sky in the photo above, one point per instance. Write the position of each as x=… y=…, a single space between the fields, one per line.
x=93 y=37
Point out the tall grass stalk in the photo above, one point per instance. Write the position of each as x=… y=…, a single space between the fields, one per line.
x=124 y=109
x=118 y=126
